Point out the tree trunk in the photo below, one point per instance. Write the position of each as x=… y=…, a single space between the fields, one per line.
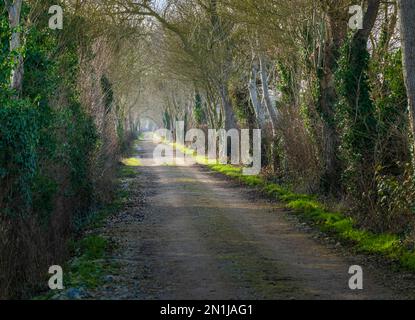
x=407 y=21
x=368 y=22
x=230 y=122
x=272 y=136
x=335 y=37
x=253 y=93
x=14 y=9
x=267 y=99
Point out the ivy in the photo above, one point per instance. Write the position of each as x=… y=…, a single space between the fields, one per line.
x=19 y=138
x=199 y=113
x=355 y=114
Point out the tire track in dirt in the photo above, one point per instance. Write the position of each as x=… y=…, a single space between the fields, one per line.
x=202 y=237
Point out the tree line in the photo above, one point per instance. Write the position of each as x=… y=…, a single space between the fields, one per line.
x=336 y=105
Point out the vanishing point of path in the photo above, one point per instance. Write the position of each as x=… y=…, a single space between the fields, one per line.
x=200 y=236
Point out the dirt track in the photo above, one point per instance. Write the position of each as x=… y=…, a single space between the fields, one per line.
x=199 y=236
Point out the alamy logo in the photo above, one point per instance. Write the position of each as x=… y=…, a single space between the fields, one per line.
x=356 y=280
x=56 y=281
x=56 y=20
x=235 y=141
x=356 y=20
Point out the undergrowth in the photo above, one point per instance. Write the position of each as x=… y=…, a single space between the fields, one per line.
x=89 y=264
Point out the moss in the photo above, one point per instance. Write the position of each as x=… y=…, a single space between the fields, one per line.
x=345 y=229
x=89 y=266
x=408 y=260
x=93 y=246
x=252 y=180
x=131 y=162
x=128 y=172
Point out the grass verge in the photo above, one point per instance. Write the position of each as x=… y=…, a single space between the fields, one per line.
x=89 y=264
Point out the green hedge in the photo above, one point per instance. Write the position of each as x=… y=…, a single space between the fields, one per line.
x=19 y=136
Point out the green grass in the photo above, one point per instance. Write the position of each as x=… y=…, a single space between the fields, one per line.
x=344 y=228
x=140 y=138
x=131 y=162
x=128 y=172
x=335 y=223
x=89 y=267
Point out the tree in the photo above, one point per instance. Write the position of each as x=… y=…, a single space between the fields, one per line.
x=356 y=112
x=335 y=21
x=407 y=23
x=14 y=10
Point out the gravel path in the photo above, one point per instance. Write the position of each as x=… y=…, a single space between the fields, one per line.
x=188 y=233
